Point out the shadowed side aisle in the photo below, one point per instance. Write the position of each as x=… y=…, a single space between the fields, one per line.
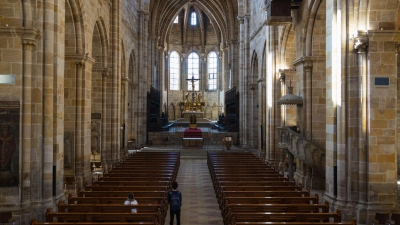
x=200 y=205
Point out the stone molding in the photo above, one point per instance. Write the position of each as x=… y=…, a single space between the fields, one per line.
x=81 y=60
x=307 y=61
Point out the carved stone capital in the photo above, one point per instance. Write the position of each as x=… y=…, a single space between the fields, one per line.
x=260 y=80
x=29 y=39
x=361 y=42
x=28 y=45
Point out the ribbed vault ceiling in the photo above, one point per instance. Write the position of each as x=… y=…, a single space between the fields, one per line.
x=222 y=13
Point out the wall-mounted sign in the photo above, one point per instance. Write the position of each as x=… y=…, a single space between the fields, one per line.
x=7 y=79
x=382 y=81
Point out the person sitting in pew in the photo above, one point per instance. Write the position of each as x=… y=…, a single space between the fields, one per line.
x=131 y=201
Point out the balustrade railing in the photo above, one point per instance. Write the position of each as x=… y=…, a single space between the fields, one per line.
x=302 y=149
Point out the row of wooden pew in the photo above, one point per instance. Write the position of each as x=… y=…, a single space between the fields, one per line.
x=148 y=175
x=251 y=192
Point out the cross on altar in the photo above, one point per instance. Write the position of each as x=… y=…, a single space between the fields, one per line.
x=192 y=80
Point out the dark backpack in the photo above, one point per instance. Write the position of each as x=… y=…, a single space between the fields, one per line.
x=175 y=202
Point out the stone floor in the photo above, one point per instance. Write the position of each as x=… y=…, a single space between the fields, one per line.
x=199 y=204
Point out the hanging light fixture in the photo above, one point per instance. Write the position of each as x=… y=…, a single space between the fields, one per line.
x=290 y=98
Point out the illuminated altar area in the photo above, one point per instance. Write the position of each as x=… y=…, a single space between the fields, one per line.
x=194 y=107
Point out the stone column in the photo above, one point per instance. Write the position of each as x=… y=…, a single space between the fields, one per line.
x=261 y=117
x=241 y=88
x=270 y=123
x=125 y=90
x=361 y=186
x=28 y=44
x=105 y=145
x=115 y=80
x=308 y=64
x=79 y=151
x=143 y=78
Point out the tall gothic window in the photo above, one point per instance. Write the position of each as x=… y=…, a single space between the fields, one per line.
x=193 y=19
x=174 y=71
x=212 y=70
x=176 y=19
x=193 y=70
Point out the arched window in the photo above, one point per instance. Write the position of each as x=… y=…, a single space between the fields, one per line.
x=193 y=70
x=174 y=71
x=193 y=19
x=176 y=19
x=212 y=70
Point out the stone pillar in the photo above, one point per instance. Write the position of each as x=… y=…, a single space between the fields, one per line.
x=308 y=64
x=261 y=117
x=79 y=146
x=223 y=80
x=28 y=44
x=241 y=87
x=125 y=100
x=105 y=145
x=143 y=78
x=115 y=80
x=332 y=53
x=234 y=53
x=362 y=117
x=270 y=81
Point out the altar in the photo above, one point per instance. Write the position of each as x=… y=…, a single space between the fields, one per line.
x=186 y=114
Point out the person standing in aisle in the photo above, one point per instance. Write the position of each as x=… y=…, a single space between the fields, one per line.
x=175 y=203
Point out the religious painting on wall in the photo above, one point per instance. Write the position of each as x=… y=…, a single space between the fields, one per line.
x=9 y=143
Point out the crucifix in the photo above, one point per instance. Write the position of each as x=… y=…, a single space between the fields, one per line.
x=193 y=80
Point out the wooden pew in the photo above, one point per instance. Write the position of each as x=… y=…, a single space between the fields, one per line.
x=220 y=195
x=283 y=217
x=351 y=222
x=133 y=189
x=121 y=194
x=138 y=175
x=125 y=182
x=103 y=216
x=272 y=200
x=112 y=200
x=277 y=193
x=287 y=208
x=107 y=207
x=35 y=222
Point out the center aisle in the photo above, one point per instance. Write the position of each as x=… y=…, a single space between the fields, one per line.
x=199 y=204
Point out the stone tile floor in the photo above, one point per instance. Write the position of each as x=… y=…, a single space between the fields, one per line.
x=199 y=204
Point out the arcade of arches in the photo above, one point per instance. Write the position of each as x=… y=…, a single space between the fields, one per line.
x=74 y=78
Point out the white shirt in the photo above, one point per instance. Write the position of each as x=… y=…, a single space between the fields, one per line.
x=134 y=202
